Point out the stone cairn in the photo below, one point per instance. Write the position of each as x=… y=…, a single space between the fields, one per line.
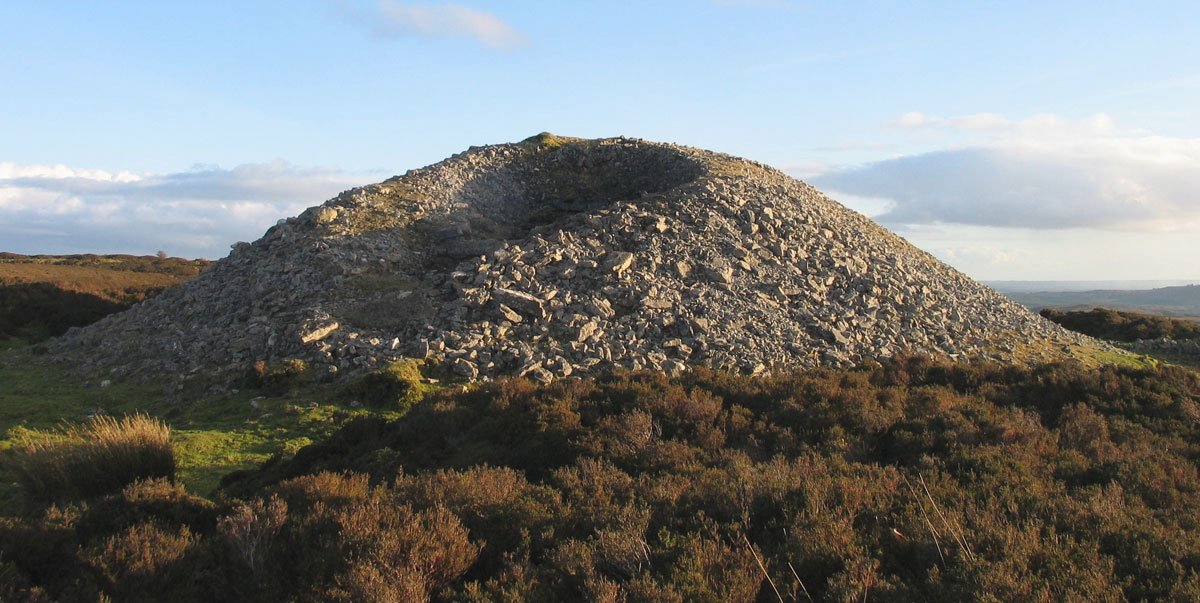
x=556 y=257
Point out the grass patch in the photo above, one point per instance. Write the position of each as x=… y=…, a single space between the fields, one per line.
x=212 y=436
x=1169 y=358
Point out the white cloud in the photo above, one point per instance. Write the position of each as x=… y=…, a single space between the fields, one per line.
x=399 y=20
x=914 y=119
x=1043 y=172
x=990 y=253
x=198 y=213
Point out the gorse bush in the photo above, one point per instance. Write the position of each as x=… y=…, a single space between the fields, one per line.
x=98 y=457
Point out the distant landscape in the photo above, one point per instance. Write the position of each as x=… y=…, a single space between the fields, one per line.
x=1075 y=286
x=44 y=295
x=1176 y=301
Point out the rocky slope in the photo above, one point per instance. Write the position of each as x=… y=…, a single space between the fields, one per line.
x=557 y=256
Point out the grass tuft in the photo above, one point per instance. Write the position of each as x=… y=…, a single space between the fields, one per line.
x=99 y=457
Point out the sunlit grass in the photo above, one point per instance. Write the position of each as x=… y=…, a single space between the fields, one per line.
x=211 y=435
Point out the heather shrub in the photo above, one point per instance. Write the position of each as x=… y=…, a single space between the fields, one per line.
x=497 y=505
x=251 y=529
x=276 y=379
x=15 y=586
x=145 y=562
x=709 y=568
x=157 y=499
x=396 y=554
x=336 y=537
x=907 y=480
x=101 y=456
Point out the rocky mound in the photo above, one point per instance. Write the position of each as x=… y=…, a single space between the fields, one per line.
x=557 y=256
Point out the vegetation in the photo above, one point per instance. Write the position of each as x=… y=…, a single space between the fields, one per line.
x=276 y=379
x=395 y=387
x=212 y=435
x=910 y=480
x=101 y=456
x=1115 y=325
x=42 y=296
x=34 y=312
x=125 y=279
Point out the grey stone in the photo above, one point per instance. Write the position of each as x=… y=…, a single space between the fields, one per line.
x=618 y=262
x=465 y=368
x=317 y=332
x=520 y=301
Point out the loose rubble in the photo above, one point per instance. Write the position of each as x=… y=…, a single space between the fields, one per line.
x=556 y=257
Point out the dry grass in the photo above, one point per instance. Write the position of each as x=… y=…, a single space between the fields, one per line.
x=101 y=456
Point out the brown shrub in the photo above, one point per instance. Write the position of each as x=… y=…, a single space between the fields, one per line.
x=276 y=379
x=143 y=562
x=398 y=555
x=251 y=529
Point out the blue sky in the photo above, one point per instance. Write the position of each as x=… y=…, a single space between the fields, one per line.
x=1014 y=140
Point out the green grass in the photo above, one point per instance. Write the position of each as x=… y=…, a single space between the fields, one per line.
x=1169 y=358
x=1089 y=355
x=212 y=435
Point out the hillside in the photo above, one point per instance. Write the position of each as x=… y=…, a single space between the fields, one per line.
x=1180 y=302
x=1128 y=327
x=610 y=370
x=44 y=295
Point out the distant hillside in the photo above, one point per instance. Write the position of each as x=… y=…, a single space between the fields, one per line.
x=124 y=279
x=1166 y=301
x=44 y=295
x=1007 y=287
x=1124 y=326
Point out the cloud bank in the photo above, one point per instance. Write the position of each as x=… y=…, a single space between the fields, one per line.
x=404 y=20
x=1041 y=173
x=198 y=213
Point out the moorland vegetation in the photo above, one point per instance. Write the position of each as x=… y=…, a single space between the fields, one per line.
x=42 y=296
x=1116 y=325
x=907 y=480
